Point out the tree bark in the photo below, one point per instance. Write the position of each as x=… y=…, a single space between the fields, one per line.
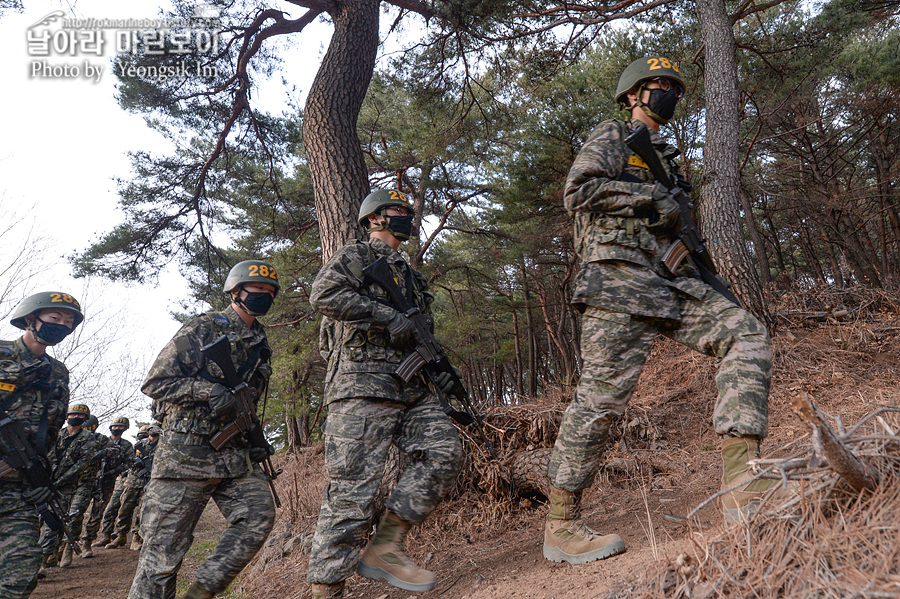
x=339 y=176
x=719 y=209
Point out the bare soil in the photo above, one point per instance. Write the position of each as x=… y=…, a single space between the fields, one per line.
x=485 y=548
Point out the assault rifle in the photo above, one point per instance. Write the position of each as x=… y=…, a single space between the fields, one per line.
x=18 y=454
x=689 y=242
x=427 y=356
x=245 y=420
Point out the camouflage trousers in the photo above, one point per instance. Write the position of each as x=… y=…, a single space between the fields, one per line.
x=358 y=435
x=20 y=552
x=171 y=510
x=96 y=510
x=130 y=499
x=614 y=348
x=51 y=539
x=108 y=524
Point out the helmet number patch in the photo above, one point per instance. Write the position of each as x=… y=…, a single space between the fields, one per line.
x=661 y=63
x=262 y=270
x=396 y=195
x=56 y=298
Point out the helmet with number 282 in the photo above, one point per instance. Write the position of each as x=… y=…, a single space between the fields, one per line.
x=645 y=69
x=378 y=199
x=46 y=300
x=251 y=271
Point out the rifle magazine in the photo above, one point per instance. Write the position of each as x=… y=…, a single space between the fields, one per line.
x=675 y=255
x=224 y=436
x=410 y=366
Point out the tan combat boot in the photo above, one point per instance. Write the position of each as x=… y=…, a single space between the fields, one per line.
x=136 y=542
x=102 y=540
x=66 y=560
x=198 y=591
x=117 y=541
x=740 y=504
x=568 y=539
x=385 y=558
x=86 y=549
x=327 y=591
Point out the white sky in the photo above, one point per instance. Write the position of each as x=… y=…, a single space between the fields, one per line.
x=64 y=142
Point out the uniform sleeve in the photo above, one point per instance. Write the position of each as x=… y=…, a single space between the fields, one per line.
x=57 y=411
x=337 y=290
x=174 y=376
x=86 y=453
x=593 y=183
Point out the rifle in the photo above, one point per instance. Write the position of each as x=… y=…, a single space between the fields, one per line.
x=427 y=356
x=689 y=241
x=18 y=454
x=245 y=421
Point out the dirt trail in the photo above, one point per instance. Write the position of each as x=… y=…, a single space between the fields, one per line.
x=107 y=574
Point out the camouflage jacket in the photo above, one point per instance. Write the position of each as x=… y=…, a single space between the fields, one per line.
x=139 y=474
x=353 y=340
x=608 y=193
x=43 y=395
x=120 y=463
x=180 y=382
x=74 y=453
x=101 y=442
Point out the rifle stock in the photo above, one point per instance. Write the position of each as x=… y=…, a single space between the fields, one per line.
x=689 y=242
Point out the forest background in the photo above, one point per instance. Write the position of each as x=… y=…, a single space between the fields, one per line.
x=788 y=132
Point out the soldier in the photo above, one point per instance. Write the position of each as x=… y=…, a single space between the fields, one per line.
x=193 y=403
x=108 y=524
x=624 y=223
x=90 y=485
x=133 y=487
x=369 y=408
x=34 y=396
x=115 y=466
x=75 y=450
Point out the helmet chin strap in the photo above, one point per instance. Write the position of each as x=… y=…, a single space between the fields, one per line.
x=637 y=102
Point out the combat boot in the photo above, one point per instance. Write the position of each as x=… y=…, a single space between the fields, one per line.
x=42 y=573
x=744 y=501
x=66 y=560
x=198 y=591
x=136 y=543
x=102 y=540
x=327 y=591
x=385 y=559
x=86 y=549
x=568 y=539
x=117 y=541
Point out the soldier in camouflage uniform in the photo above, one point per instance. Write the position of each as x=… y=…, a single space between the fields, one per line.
x=369 y=408
x=90 y=489
x=624 y=223
x=193 y=403
x=133 y=487
x=75 y=450
x=34 y=393
x=115 y=465
x=108 y=524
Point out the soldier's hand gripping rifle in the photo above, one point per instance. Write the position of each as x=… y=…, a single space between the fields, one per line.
x=245 y=420
x=689 y=241
x=18 y=454
x=427 y=356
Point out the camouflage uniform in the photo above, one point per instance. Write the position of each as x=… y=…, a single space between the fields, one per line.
x=134 y=485
x=71 y=477
x=628 y=297
x=187 y=471
x=369 y=408
x=115 y=465
x=43 y=407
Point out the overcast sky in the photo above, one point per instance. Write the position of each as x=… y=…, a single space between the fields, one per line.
x=65 y=140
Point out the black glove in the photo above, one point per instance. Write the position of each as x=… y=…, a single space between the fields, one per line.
x=37 y=495
x=221 y=401
x=400 y=328
x=668 y=211
x=259 y=454
x=102 y=453
x=444 y=381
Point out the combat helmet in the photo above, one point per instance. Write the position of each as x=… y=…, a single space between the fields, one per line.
x=80 y=409
x=44 y=301
x=121 y=421
x=251 y=271
x=154 y=430
x=143 y=432
x=378 y=200
x=645 y=69
x=91 y=423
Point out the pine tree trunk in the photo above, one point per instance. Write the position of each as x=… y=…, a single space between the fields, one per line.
x=339 y=176
x=719 y=210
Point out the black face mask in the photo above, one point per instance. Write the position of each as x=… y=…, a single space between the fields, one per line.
x=50 y=333
x=400 y=226
x=662 y=105
x=257 y=303
x=75 y=421
x=114 y=432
